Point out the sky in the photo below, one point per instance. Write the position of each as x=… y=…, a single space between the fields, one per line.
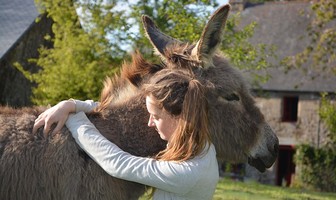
x=221 y=2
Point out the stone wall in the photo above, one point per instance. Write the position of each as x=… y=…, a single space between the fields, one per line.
x=307 y=129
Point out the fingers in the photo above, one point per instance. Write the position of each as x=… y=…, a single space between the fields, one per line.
x=54 y=115
x=46 y=128
x=38 y=123
x=59 y=126
x=43 y=120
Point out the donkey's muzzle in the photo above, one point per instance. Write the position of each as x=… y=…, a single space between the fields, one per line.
x=267 y=152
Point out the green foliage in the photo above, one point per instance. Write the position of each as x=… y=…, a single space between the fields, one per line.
x=317 y=168
x=321 y=52
x=88 y=48
x=317 y=165
x=328 y=114
x=173 y=18
x=242 y=53
x=80 y=58
x=183 y=20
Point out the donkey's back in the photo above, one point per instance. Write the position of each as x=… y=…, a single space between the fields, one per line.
x=35 y=167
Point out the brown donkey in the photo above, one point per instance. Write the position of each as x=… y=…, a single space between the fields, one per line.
x=34 y=167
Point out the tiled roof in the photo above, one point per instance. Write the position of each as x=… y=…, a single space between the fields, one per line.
x=15 y=18
x=283 y=25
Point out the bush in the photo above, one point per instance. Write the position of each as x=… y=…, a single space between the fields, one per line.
x=316 y=168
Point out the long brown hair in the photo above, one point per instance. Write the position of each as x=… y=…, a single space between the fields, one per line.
x=180 y=95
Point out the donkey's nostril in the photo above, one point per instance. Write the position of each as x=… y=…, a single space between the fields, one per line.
x=275 y=150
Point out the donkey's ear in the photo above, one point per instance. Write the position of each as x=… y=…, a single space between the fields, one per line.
x=212 y=36
x=158 y=39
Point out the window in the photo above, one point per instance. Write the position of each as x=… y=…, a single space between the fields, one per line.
x=290 y=109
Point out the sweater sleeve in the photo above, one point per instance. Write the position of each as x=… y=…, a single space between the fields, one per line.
x=171 y=176
x=85 y=106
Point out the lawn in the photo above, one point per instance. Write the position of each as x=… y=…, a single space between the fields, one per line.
x=234 y=190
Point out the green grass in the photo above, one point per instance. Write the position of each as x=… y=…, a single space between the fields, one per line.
x=234 y=190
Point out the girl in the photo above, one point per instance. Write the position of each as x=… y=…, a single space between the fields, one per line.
x=186 y=169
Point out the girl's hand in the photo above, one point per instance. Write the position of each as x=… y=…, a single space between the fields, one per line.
x=57 y=114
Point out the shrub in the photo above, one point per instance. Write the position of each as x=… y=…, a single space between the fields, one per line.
x=316 y=168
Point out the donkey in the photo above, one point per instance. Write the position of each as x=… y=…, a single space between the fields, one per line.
x=35 y=167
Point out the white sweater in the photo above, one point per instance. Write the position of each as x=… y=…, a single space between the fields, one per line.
x=193 y=179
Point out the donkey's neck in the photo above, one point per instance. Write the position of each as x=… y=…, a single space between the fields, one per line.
x=126 y=126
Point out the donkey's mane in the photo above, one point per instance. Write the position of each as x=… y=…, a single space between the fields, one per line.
x=126 y=85
x=178 y=55
x=138 y=69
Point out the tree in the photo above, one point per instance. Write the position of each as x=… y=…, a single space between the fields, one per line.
x=328 y=114
x=242 y=53
x=321 y=52
x=317 y=165
x=87 y=50
x=185 y=20
x=81 y=55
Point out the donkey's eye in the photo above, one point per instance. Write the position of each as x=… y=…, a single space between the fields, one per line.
x=232 y=97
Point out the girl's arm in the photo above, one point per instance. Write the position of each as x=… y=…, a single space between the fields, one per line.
x=59 y=113
x=171 y=176
x=84 y=106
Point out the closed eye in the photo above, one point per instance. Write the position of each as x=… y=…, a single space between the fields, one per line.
x=155 y=117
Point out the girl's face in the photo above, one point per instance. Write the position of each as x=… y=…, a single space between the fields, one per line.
x=164 y=123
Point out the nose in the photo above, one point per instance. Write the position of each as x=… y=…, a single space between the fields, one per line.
x=150 y=121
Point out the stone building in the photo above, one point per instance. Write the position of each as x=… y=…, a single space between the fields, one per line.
x=20 y=38
x=290 y=101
